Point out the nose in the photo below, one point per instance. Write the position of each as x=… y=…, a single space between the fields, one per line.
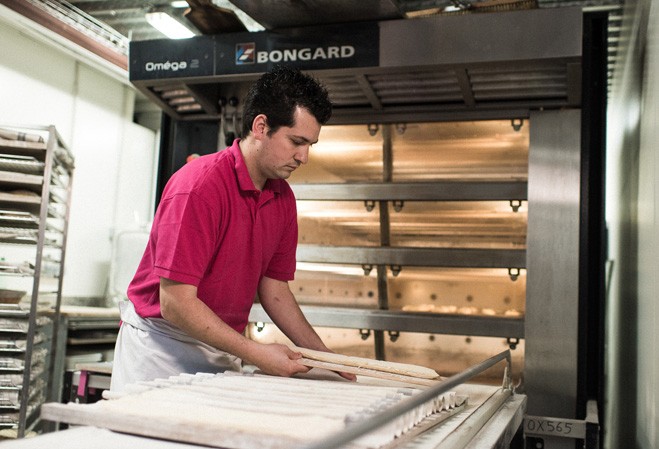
x=302 y=155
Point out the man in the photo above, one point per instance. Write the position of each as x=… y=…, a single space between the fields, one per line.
x=226 y=229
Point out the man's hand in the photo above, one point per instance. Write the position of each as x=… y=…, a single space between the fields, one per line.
x=349 y=376
x=278 y=360
x=279 y=303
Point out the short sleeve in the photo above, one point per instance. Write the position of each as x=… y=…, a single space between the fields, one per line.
x=282 y=264
x=186 y=236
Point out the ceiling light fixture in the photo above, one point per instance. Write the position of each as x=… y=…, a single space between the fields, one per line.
x=167 y=25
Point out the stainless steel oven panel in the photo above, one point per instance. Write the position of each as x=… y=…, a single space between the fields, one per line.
x=552 y=306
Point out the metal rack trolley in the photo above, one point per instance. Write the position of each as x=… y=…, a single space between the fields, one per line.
x=36 y=171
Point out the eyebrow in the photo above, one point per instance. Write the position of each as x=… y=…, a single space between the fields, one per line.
x=295 y=136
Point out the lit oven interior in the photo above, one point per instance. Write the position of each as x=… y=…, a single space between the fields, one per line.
x=474 y=154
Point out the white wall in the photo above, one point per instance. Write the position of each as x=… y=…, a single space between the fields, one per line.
x=632 y=408
x=43 y=83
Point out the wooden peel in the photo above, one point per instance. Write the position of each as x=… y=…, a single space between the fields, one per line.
x=370 y=366
x=211 y=19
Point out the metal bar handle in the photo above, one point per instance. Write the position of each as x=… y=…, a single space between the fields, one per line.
x=363 y=427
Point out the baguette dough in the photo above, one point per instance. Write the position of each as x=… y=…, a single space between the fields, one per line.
x=367 y=372
x=404 y=369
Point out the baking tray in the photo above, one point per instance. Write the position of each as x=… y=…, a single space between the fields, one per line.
x=8 y=296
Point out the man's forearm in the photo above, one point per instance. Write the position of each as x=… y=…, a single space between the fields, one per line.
x=280 y=305
x=179 y=304
x=181 y=307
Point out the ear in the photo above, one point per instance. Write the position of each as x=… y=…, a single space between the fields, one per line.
x=260 y=126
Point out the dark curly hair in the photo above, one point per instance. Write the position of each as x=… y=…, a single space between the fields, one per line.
x=277 y=93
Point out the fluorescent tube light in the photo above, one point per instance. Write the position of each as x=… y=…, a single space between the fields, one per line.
x=167 y=25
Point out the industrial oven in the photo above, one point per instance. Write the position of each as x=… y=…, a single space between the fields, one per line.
x=453 y=207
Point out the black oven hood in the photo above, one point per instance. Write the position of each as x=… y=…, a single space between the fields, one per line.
x=484 y=65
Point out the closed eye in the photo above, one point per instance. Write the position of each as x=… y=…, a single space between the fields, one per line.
x=301 y=141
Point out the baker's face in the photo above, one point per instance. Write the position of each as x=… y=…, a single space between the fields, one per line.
x=288 y=148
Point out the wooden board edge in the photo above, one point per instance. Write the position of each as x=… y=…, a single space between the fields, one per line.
x=96 y=415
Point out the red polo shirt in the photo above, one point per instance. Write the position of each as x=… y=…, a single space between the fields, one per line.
x=213 y=229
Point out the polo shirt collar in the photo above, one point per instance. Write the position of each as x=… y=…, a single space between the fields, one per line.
x=245 y=183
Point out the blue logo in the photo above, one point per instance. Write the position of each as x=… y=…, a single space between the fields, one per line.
x=245 y=53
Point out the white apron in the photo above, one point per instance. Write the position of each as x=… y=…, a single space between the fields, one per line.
x=152 y=348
